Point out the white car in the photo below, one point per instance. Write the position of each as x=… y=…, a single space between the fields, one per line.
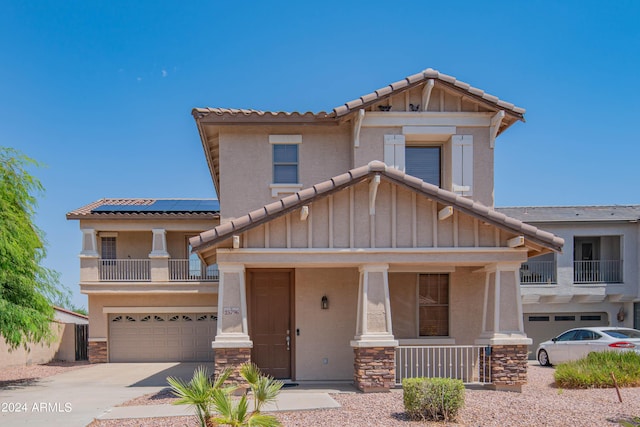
x=578 y=343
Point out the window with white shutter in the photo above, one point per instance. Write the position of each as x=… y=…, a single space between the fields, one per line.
x=394 y=151
x=462 y=164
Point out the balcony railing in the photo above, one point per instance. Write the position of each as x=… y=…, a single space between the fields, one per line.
x=538 y=272
x=124 y=270
x=469 y=363
x=185 y=270
x=601 y=271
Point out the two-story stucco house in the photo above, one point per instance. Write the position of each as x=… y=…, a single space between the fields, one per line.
x=359 y=244
x=593 y=282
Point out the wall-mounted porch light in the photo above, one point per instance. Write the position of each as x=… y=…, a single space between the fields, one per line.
x=325 y=302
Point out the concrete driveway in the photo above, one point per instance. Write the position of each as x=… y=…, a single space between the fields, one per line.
x=75 y=398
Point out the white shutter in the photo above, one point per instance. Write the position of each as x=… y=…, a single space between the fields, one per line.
x=462 y=164
x=394 y=151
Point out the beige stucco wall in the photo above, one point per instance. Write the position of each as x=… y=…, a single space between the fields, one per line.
x=98 y=319
x=61 y=348
x=466 y=298
x=246 y=168
x=325 y=334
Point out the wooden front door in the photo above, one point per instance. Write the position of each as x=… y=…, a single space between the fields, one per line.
x=270 y=321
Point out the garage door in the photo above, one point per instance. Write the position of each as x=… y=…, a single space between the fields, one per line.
x=541 y=327
x=161 y=337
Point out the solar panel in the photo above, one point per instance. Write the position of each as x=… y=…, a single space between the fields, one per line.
x=164 y=206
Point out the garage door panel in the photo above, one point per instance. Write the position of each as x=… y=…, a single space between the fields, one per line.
x=161 y=337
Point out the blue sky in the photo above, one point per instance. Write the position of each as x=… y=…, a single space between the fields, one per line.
x=101 y=91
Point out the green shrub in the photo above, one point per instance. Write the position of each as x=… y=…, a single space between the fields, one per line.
x=433 y=398
x=595 y=370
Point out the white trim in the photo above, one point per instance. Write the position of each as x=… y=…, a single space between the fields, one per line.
x=426 y=93
x=445 y=131
x=422 y=269
x=357 y=125
x=427 y=341
x=156 y=309
x=445 y=250
x=108 y=234
x=371 y=341
x=426 y=118
x=285 y=139
x=98 y=339
x=277 y=189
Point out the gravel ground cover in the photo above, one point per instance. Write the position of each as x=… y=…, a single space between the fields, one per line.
x=22 y=375
x=540 y=404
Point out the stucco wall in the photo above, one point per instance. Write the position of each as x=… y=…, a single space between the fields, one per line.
x=61 y=348
x=246 y=168
x=98 y=319
x=325 y=334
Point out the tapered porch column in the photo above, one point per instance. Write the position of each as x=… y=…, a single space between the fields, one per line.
x=503 y=327
x=159 y=256
x=232 y=345
x=374 y=344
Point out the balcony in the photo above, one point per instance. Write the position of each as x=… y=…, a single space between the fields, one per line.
x=538 y=273
x=124 y=270
x=140 y=270
x=600 y=271
x=191 y=270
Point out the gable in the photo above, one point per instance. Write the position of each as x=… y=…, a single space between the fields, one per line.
x=372 y=207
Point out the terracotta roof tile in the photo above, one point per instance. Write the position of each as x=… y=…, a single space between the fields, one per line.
x=463 y=204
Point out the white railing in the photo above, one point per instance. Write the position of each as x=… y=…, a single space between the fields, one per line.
x=185 y=270
x=124 y=270
x=538 y=272
x=469 y=363
x=601 y=271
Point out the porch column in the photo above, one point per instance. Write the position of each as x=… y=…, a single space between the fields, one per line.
x=503 y=327
x=159 y=257
x=374 y=344
x=232 y=345
x=89 y=256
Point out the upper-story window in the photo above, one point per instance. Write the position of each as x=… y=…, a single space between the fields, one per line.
x=108 y=247
x=285 y=163
x=424 y=163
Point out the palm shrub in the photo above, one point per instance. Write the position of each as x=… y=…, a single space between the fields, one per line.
x=432 y=398
x=264 y=390
x=198 y=392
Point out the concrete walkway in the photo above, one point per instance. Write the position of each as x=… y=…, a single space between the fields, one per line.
x=76 y=398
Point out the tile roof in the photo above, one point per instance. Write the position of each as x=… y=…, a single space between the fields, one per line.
x=143 y=207
x=295 y=201
x=234 y=114
x=573 y=213
x=418 y=78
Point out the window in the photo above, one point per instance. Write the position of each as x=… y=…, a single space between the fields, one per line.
x=433 y=305
x=108 y=247
x=285 y=163
x=424 y=163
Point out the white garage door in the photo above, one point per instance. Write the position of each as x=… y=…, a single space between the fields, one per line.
x=541 y=327
x=161 y=337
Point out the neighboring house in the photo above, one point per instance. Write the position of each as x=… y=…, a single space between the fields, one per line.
x=148 y=298
x=359 y=244
x=355 y=240
x=593 y=282
x=66 y=345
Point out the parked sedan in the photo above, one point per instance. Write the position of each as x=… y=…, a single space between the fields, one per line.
x=578 y=343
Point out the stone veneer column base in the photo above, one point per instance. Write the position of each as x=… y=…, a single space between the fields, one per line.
x=375 y=368
x=97 y=352
x=508 y=367
x=231 y=358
